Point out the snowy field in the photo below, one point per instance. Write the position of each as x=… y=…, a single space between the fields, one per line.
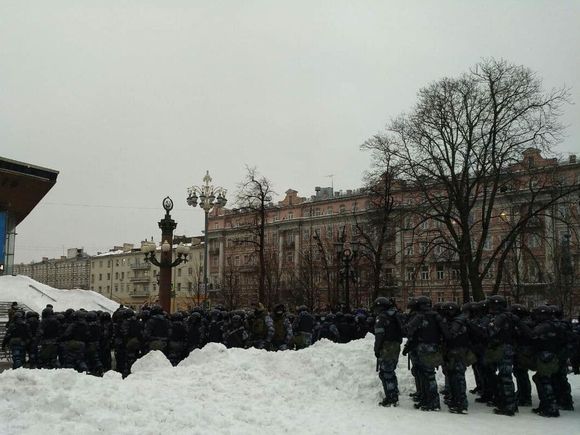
x=36 y=295
x=326 y=389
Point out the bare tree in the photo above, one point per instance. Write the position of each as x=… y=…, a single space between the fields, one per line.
x=459 y=147
x=377 y=229
x=253 y=197
x=230 y=286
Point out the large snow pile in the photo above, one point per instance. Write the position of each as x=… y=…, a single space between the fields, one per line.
x=36 y=295
x=326 y=389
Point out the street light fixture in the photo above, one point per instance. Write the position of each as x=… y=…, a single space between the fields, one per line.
x=166 y=262
x=207 y=197
x=346 y=253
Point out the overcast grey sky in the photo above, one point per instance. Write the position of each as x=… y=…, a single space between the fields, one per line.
x=134 y=100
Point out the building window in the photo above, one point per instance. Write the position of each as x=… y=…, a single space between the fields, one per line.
x=290 y=215
x=178 y=286
x=424 y=273
x=108 y=276
x=329 y=210
x=487 y=245
x=116 y=275
x=440 y=272
x=305 y=234
x=290 y=257
x=329 y=232
x=389 y=274
x=424 y=246
x=122 y=275
x=440 y=297
x=410 y=273
x=342 y=209
x=534 y=240
x=409 y=249
x=178 y=272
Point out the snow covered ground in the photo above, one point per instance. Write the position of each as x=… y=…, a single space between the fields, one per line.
x=36 y=295
x=326 y=389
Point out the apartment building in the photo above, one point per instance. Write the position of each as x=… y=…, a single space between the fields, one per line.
x=302 y=236
x=122 y=274
x=70 y=271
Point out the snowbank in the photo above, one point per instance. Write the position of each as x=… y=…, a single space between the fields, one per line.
x=326 y=389
x=35 y=295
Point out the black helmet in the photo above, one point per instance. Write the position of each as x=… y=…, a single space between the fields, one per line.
x=92 y=316
x=412 y=304
x=382 y=303
x=450 y=309
x=519 y=310
x=47 y=312
x=542 y=312
x=156 y=309
x=439 y=307
x=280 y=309
x=195 y=316
x=302 y=308
x=18 y=315
x=177 y=316
x=423 y=303
x=31 y=314
x=496 y=303
x=236 y=319
x=467 y=308
x=556 y=311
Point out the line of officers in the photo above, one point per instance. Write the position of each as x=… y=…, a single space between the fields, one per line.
x=497 y=341
x=87 y=340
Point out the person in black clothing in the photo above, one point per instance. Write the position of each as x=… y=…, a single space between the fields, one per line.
x=524 y=359
x=236 y=335
x=93 y=344
x=388 y=338
x=74 y=343
x=17 y=337
x=131 y=337
x=502 y=330
x=458 y=356
x=195 y=331
x=546 y=346
x=426 y=329
x=157 y=330
x=33 y=322
x=303 y=328
x=215 y=328
x=106 y=341
x=49 y=331
x=567 y=341
x=177 y=345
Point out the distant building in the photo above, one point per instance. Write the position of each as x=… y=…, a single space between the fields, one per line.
x=122 y=274
x=302 y=235
x=70 y=271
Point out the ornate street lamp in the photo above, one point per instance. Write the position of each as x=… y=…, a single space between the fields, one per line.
x=207 y=197
x=346 y=253
x=166 y=262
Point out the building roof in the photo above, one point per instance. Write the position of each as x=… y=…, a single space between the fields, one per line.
x=22 y=186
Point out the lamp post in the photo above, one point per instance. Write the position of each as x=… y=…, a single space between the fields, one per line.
x=166 y=262
x=207 y=197
x=346 y=252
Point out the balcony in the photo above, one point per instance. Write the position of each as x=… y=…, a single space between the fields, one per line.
x=137 y=279
x=141 y=266
x=140 y=294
